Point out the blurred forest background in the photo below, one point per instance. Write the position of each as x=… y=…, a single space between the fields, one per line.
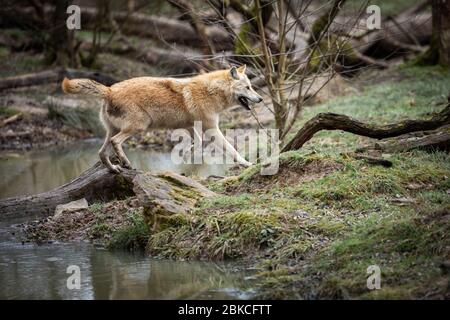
x=298 y=52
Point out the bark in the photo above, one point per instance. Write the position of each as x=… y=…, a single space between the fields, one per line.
x=168 y=30
x=332 y=121
x=11 y=119
x=18 y=46
x=58 y=36
x=53 y=76
x=322 y=23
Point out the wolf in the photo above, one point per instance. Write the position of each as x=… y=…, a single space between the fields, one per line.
x=144 y=103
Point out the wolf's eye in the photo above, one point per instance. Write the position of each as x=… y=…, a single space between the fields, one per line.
x=248 y=87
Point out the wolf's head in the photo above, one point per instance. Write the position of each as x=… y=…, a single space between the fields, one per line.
x=242 y=88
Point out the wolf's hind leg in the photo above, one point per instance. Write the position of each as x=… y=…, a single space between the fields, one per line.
x=103 y=152
x=117 y=141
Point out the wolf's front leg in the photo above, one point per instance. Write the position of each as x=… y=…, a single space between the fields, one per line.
x=222 y=141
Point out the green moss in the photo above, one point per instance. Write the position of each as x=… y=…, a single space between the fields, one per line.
x=242 y=41
x=133 y=235
x=99 y=230
x=407 y=246
x=4 y=52
x=96 y=207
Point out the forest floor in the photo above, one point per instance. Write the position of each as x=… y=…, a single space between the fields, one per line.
x=314 y=228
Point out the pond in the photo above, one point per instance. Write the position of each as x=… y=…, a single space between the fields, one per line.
x=30 y=271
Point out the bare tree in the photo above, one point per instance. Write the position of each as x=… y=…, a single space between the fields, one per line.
x=440 y=39
x=61 y=48
x=266 y=41
x=439 y=50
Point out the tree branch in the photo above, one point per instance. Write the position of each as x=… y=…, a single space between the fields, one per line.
x=333 y=121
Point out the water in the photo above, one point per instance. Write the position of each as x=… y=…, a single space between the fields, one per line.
x=30 y=271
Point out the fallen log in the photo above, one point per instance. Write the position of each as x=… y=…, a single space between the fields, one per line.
x=95 y=184
x=53 y=76
x=176 y=60
x=333 y=121
x=161 y=195
x=402 y=34
x=135 y=24
x=165 y=195
x=160 y=28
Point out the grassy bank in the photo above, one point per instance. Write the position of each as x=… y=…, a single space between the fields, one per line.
x=316 y=226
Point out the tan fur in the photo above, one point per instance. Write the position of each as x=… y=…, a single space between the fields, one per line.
x=148 y=102
x=86 y=86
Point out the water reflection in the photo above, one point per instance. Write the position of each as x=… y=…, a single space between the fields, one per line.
x=43 y=170
x=39 y=272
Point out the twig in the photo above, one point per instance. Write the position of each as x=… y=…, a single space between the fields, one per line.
x=11 y=119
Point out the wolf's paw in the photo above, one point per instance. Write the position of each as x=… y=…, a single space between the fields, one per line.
x=240 y=165
x=245 y=164
x=127 y=166
x=116 y=168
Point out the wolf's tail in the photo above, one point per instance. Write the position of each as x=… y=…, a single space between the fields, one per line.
x=85 y=86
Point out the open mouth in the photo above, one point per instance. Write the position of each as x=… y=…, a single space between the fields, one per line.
x=244 y=102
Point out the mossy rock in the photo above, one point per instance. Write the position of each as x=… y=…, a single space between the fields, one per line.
x=166 y=195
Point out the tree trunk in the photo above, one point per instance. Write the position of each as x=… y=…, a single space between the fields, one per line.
x=439 y=51
x=60 y=47
x=441 y=31
x=187 y=8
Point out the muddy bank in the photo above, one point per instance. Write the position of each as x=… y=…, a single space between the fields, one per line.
x=117 y=223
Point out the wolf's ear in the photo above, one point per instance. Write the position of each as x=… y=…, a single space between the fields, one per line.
x=242 y=68
x=234 y=73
